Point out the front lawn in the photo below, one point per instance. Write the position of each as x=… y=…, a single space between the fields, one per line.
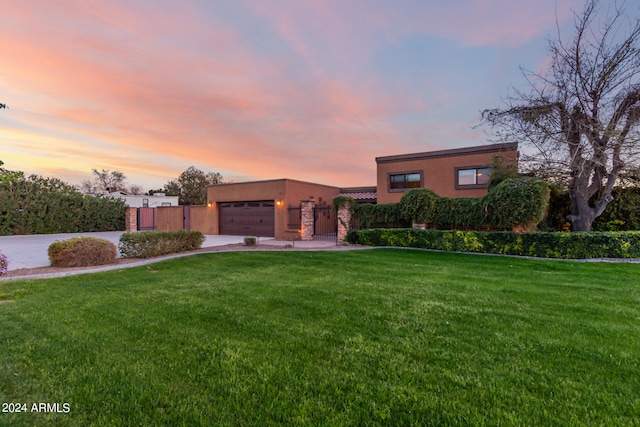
x=376 y=337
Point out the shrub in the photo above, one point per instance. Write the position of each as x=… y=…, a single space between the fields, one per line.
x=559 y=208
x=147 y=244
x=511 y=202
x=547 y=245
x=4 y=265
x=250 y=241
x=367 y=215
x=82 y=252
x=36 y=205
x=420 y=206
x=519 y=201
x=623 y=213
x=460 y=213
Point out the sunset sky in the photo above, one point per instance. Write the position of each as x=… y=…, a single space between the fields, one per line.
x=257 y=89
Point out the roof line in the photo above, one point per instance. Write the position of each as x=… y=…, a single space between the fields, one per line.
x=480 y=149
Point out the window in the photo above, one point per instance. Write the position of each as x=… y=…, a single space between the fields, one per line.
x=402 y=181
x=472 y=177
x=145 y=203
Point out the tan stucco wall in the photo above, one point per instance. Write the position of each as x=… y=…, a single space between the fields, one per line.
x=287 y=191
x=203 y=219
x=439 y=174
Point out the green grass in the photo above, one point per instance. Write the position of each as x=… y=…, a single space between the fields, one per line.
x=379 y=337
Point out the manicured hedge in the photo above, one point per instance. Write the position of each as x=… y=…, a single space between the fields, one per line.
x=514 y=202
x=36 y=205
x=387 y=215
x=82 y=252
x=547 y=245
x=147 y=244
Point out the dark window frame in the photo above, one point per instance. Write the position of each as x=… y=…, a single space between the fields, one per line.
x=471 y=186
x=401 y=190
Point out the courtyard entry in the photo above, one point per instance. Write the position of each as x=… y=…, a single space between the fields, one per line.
x=325 y=225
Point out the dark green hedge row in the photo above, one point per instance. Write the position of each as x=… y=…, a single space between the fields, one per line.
x=386 y=215
x=514 y=202
x=547 y=245
x=36 y=205
x=146 y=244
x=622 y=214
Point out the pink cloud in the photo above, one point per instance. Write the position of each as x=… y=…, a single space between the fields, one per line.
x=142 y=88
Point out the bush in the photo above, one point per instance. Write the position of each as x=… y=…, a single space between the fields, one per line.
x=4 y=265
x=36 y=205
x=513 y=202
x=420 y=206
x=250 y=241
x=547 y=245
x=518 y=202
x=367 y=215
x=623 y=213
x=146 y=244
x=460 y=213
x=82 y=252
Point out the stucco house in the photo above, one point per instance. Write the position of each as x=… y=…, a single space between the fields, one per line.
x=268 y=208
x=146 y=201
x=459 y=172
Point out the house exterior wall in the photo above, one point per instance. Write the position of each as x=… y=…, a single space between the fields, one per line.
x=439 y=169
x=137 y=201
x=203 y=219
x=285 y=191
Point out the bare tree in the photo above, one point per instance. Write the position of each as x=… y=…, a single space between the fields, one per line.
x=86 y=186
x=135 y=189
x=109 y=180
x=581 y=115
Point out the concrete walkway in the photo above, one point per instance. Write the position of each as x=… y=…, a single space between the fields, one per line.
x=31 y=251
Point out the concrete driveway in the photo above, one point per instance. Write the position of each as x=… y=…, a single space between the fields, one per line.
x=31 y=251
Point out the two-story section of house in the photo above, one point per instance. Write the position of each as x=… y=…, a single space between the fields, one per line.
x=460 y=172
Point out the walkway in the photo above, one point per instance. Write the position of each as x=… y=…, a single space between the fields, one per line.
x=31 y=251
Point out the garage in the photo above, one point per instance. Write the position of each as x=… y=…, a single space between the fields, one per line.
x=251 y=218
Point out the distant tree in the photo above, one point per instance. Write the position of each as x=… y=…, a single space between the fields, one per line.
x=109 y=180
x=3 y=106
x=191 y=186
x=86 y=186
x=7 y=175
x=159 y=190
x=134 y=189
x=582 y=115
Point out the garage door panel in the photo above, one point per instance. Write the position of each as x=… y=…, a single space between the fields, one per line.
x=247 y=218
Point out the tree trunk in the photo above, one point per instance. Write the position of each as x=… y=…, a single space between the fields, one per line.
x=582 y=215
x=580 y=222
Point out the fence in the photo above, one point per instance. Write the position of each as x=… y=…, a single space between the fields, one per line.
x=325 y=224
x=170 y=218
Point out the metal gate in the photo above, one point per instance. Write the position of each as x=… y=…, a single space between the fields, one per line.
x=146 y=219
x=325 y=225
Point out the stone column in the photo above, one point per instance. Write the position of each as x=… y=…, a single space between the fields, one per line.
x=344 y=220
x=131 y=219
x=306 y=220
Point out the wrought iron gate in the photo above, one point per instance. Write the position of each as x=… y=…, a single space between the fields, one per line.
x=325 y=225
